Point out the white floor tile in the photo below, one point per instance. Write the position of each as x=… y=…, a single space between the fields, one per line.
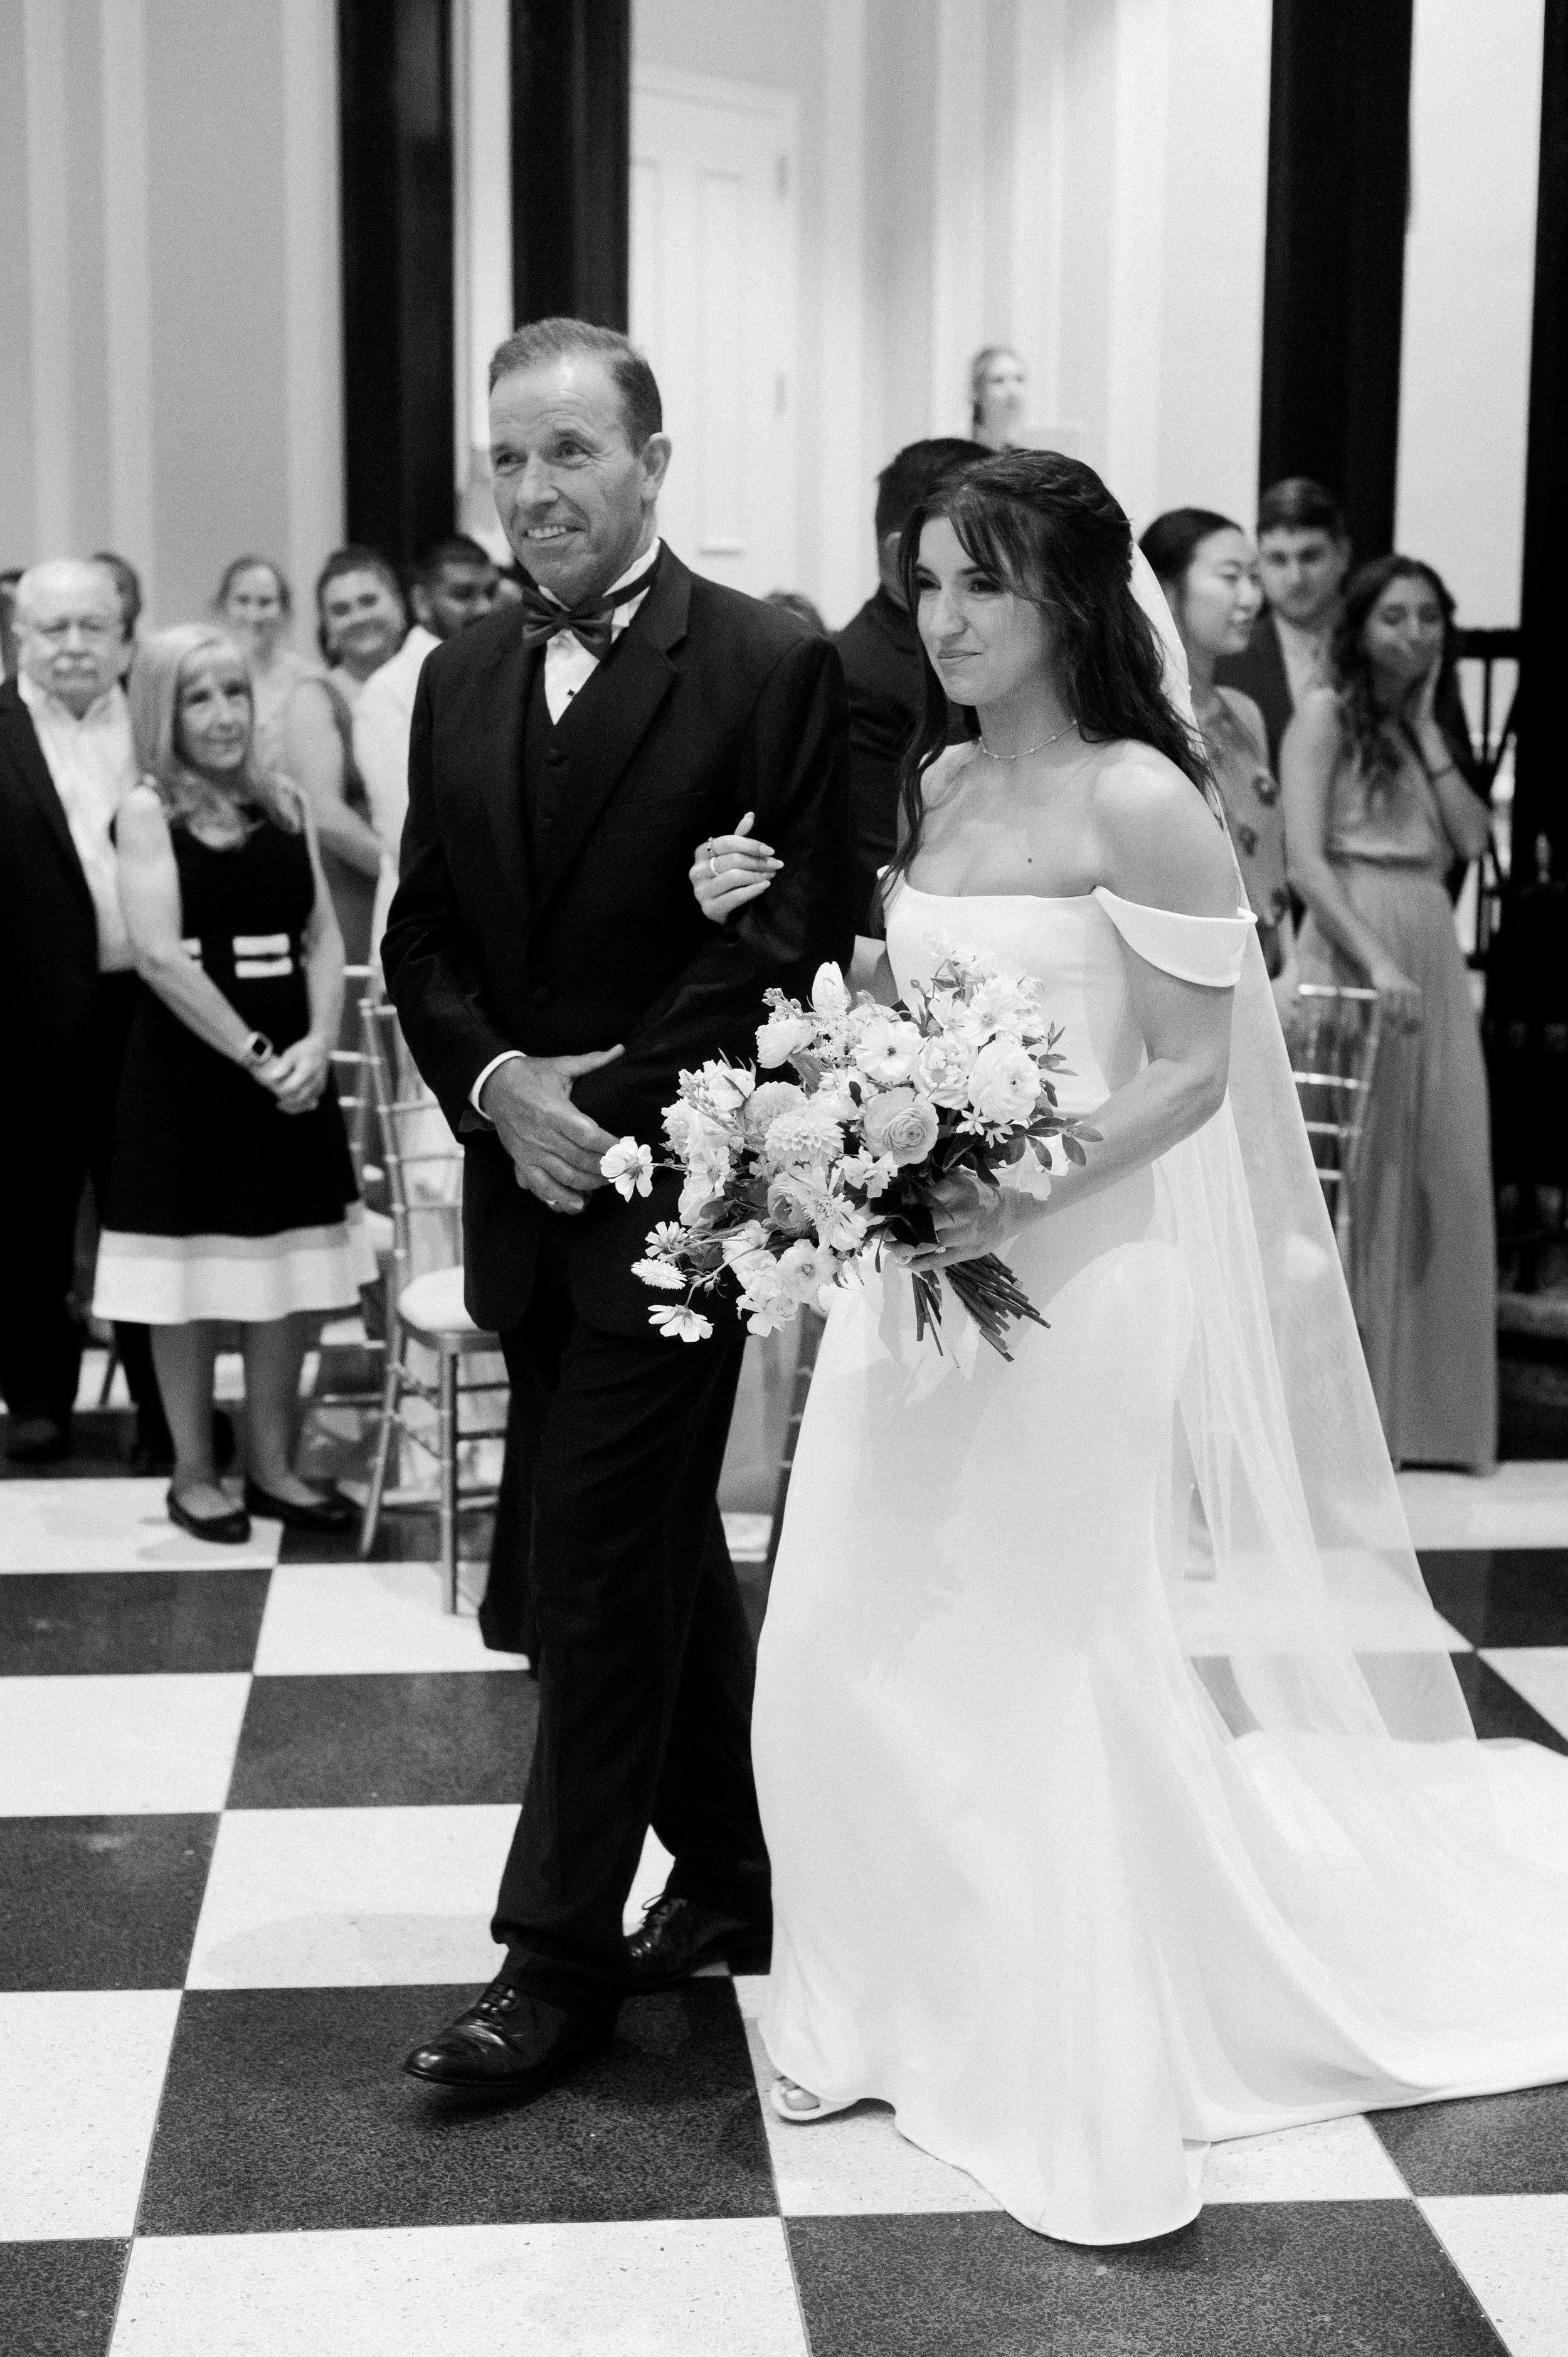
x=854 y=2164
x=1524 y=1505
x=1336 y=2161
x=358 y=1617
x=85 y=1747
x=350 y=1897
x=1539 y=1673
x=83 y=2074
x=688 y=2288
x=1513 y=2251
x=111 y=1526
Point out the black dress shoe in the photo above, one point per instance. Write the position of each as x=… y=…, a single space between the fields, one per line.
x=326 y=1514
x=38 y=1439
x=232 y=1529
x=511 y=2043
x=678 y=1936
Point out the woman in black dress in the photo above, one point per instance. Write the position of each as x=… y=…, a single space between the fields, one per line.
x=231 y=1197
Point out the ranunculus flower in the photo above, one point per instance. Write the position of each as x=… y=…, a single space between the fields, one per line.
x=900 y=1124
x=780 y=1037
x=792 y=1205
x=1004 y=1083
x=943 y=1068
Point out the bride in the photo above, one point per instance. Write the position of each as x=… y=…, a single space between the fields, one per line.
x=1119 y=1794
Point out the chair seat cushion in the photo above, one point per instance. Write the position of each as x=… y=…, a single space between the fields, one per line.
x=432 y=1305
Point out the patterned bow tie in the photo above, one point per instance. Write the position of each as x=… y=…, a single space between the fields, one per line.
x=590 y=625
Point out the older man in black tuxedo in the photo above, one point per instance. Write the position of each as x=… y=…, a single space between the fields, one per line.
x=554 y=974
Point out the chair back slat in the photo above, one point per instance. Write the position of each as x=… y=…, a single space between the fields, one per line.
x=422 y=1160
x=1334 y=1039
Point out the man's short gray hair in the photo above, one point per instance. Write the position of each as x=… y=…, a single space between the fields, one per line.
x=553 y=339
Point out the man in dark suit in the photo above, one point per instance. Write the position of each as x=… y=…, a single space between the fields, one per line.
x=66 y=761
x=554 y=974
x=884 y=667
x=1304 y=554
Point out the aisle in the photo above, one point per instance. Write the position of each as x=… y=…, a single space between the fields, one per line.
x=251 y=1812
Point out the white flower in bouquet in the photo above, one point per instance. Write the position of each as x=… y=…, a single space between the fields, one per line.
x=678 y=1323
x=901 y=1124
x=628 y=1167
x=728 y=1087
x=782 y=1037
x=744 y=1243
x=1028 y=1174
x=943 y=1068
x=766 y=1102
x=887 y=1049
x=700 y=1191
x=1009 y=1002
x=873 y=1171
x=660 y=1273
x=808 y=1133
x=1003 y=1083
x=804 y=1268
x=829 y=995
x=792 y=1204
x=840 y=1226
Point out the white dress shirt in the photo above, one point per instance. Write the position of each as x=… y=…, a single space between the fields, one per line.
x=1305 y=656
x=382 y=717
x=569 y=665
x=92 y=762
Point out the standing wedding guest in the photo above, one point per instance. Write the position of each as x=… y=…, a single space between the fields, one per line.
x=1377 y=811
x=230 y=1197
x=455 y=582
x=555 y=975
x=255 y=605
x=795 y=602
x=362 y=621
x=66 y=764
x=997 y=379
x=884 y=668
x=8 y=580
x=1304 y=554
x=128 y=582
x=1208 y=570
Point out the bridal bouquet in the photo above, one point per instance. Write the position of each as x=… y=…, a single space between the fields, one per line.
x=790 y=1184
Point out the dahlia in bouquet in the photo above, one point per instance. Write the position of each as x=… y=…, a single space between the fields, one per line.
x=792 y=1185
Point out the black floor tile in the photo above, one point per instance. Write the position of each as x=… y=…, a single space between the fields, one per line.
x=62 y=1623
x=1501 y=1596
x=400 y=1537
x=287 y=2108
x=101 y=1902
x=57 y=2300
x=1498 y=1708
x=459 y=1739
x=1492 y=2144
x=1275 y=2279
x=101 y=1440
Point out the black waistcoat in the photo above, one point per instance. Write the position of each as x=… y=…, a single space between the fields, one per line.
x=546 y=761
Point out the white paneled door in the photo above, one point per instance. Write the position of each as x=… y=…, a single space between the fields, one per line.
x=712 y=305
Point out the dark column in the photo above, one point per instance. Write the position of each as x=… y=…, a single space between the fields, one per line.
x=1334 y=266
x=571 y=145
x=394 y=87
x=1538 y=791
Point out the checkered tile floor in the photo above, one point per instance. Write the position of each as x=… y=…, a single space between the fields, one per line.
x=251 y=1812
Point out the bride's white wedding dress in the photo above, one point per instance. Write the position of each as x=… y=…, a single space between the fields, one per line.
x=1118 y=1789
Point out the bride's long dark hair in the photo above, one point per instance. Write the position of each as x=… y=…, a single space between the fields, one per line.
x=1047 y=527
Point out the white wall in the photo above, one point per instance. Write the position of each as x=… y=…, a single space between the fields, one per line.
x=171 y=368
x=1469 y=264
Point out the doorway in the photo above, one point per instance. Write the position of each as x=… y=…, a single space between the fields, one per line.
x=712 y=305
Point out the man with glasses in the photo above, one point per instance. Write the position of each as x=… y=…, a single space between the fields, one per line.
x=66 y=762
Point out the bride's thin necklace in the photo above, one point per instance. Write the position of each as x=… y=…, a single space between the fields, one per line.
x=1025 y=751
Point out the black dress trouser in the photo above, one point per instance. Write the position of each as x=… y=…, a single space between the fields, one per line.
x=63 y=1134
x=646 y=1659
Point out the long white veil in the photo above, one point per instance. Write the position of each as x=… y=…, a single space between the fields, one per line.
x=1293 y=1576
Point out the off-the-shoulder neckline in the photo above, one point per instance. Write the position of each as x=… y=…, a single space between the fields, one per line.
x=1076 y=899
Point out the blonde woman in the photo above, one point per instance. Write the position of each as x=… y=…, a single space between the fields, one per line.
x=232 y=1198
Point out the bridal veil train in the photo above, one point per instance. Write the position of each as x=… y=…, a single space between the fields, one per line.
x=1119 y=1789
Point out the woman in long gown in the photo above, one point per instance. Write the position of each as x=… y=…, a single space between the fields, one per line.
x=1377 y=811
x=1120 y=1795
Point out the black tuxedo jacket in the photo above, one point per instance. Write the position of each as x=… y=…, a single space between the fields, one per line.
x=710 y=705
x=1260 y=673
x=885 y=671
x=48 y=928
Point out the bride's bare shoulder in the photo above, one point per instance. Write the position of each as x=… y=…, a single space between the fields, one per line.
x=939 y=780
x=1159 y=838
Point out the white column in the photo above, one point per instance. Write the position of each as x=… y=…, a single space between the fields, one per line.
x=958 y=243
x=846 y=571
x=1039 y=165
x=48 y=272
x=127 y=286
x=1137 y=254
x=312 y=318
x=481 y=211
